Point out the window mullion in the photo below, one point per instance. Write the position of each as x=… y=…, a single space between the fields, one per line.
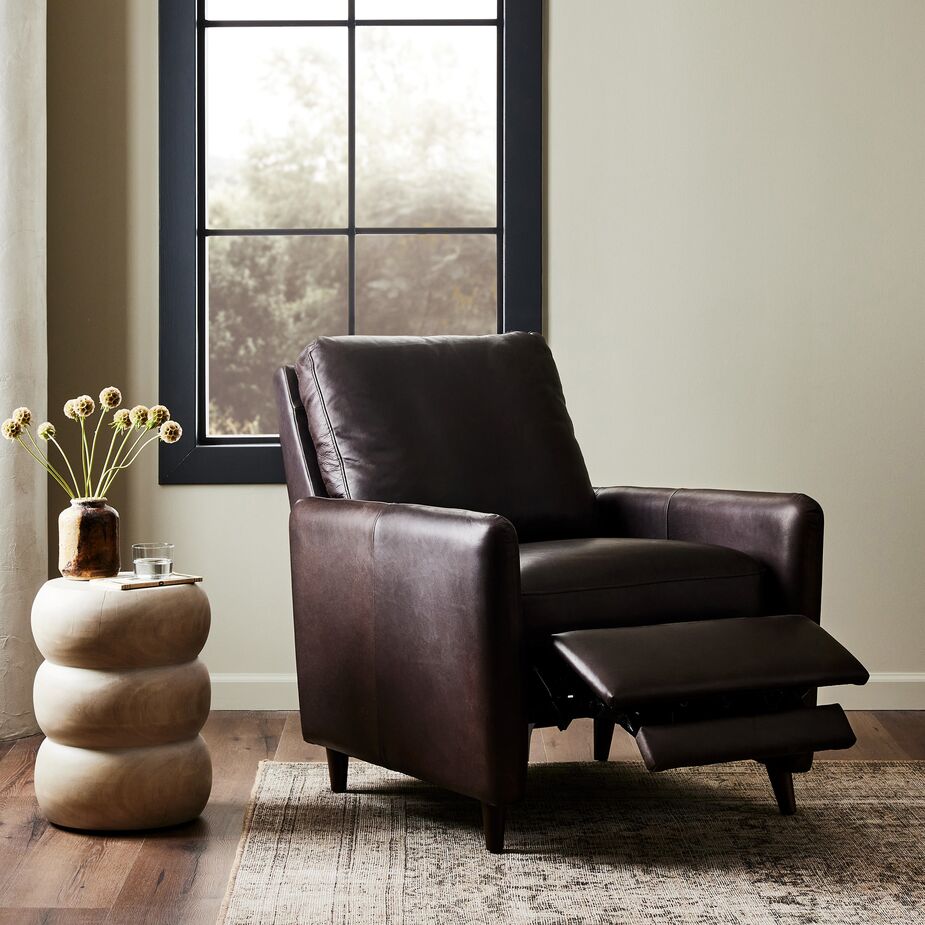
x=202 y=332
x=499 y=168
x=351 y=168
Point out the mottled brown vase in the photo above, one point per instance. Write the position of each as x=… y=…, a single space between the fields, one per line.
x=88 y=540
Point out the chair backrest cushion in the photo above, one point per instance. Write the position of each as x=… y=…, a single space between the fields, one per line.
x=477 y=423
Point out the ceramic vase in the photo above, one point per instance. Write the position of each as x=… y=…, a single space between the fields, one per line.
x=88 y=540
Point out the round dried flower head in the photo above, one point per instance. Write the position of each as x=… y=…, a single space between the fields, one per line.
x=110 y=398
x=47 y=430
x=11 y=429
x=84 y=406
x=70 y=409
x=139 y=415
x=158 y=415
x=22 y=416
x=122 y=419
x=171 y=432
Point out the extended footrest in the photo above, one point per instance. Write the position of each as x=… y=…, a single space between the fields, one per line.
x=630 y=666
x=716 y=690
x=734 y=738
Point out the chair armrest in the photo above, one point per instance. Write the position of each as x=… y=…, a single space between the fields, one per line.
x=409 y=640
x=781 y=531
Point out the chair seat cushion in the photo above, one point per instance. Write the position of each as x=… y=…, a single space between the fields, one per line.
x=583 y=583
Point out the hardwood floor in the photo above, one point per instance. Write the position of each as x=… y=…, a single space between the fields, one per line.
x=178 y=876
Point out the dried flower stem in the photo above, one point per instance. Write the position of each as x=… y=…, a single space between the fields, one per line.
x=43 y=458
x=93 y=448
x=67 y=462
x=99 y=484
x=104 y=476
x=84 y=458
x=130 y=458
x=109 y=474
x=46 y=465
x=138 y=452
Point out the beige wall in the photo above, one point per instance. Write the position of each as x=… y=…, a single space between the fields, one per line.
x=736 y=287
x=736 y=272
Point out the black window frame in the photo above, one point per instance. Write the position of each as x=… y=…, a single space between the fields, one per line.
x=201 y=459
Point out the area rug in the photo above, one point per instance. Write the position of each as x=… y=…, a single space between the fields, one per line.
x=592 y=843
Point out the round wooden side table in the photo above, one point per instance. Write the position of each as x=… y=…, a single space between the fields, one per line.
x=121 y=698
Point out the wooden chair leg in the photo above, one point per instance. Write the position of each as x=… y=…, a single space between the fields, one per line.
x=781 y=778
x=603 y=736
x=800 y=764
x=337 y=770
x=493 y=827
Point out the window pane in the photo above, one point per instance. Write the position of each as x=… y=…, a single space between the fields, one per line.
x=268 y=297
x=276 y=127
x=426 y=126
x=426 y=9
x=426 y=284
x=276 y=9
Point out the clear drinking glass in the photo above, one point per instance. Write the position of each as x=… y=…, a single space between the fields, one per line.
x=152 y=560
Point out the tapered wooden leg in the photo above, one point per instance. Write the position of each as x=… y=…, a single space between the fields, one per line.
x=781 y=778
x=493 y=827
x=337 y=770
x=800 y=764
x=603 y=736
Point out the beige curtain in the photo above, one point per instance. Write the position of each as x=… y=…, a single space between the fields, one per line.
x=23 y=356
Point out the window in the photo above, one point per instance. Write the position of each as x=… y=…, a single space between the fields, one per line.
x=335 y=167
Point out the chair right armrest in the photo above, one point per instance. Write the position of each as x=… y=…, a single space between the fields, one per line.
x=783 y=532
x=409 y=642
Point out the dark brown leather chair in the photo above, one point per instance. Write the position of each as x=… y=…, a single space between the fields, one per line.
x=457 y=581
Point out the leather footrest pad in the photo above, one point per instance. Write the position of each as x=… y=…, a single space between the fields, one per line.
x=772 y=735
x=633 y=666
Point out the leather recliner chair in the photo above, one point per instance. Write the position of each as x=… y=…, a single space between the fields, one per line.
x=457 y=581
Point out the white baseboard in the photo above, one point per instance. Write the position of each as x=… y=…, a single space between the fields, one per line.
x=254 y=692
x=886 y=690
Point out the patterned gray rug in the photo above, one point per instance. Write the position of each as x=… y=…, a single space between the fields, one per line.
x=591 y=844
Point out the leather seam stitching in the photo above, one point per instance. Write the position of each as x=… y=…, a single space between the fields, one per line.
x=380 y=753
x=641 y=584
x=327 y=418
x=668 y=514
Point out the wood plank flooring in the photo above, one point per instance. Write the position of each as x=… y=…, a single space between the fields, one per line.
x=177 y=876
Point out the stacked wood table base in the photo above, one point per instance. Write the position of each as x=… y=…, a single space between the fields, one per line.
x=121 y=697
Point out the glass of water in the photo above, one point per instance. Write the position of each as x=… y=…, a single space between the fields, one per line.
x=152 y=560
